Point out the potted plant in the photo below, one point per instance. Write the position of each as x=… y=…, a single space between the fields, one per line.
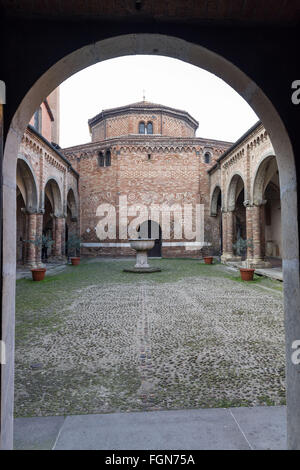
x=43 y=241
x=73 y=245
x=208 y=259
x=240 y=247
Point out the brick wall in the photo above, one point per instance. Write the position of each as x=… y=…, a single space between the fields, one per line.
x=148 y=170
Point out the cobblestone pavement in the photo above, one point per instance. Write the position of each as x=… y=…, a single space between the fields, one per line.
x=197 y=342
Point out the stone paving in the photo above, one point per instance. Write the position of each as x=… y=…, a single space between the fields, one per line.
x=196 y=343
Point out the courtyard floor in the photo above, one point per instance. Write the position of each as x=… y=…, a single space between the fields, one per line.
x=93 y=339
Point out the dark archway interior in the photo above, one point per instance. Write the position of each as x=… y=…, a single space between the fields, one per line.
x=21 y=228
x=151 y=229
x=47 y=227
x=240 y=216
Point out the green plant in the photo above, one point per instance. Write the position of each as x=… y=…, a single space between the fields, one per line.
x=42 y=241
x=73 y=245
x=241 y=245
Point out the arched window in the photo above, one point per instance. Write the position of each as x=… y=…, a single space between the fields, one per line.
x=149 y=128
x=100 y=159
x=107 y=158
x=38 y=120
x=207 y=157
x=142 y=128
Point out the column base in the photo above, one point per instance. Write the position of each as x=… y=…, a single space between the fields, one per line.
x=31 y=265
x=257 y=263
x=57 y=259
x=40 y=264
x=229 y=257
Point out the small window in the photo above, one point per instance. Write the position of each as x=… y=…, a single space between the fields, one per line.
x=107 y=158
x=149 y=128
x=207 y=157
x=141 y=128
x=101 y=159
x=38 y=120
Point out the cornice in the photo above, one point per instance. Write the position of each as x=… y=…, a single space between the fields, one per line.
x=152 y=143
x=142 y=108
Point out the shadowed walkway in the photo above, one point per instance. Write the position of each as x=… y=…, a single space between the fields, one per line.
x=223 y=428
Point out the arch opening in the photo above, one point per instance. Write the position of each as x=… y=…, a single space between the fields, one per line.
x=199 y=56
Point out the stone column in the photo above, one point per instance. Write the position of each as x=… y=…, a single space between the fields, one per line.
x=229 y=248
x=257 y=236
x=249 y=230
x=59 y=237
x=39 y=233
x=30 y=256
x=228 y=238
x=224 y=232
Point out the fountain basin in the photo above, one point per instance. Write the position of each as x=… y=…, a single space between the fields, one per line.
x=142 y=246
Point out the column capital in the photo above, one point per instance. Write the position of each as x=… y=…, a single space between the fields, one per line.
x=29 y=211
x=247 y=203
x=58 y=216
x=259 y=202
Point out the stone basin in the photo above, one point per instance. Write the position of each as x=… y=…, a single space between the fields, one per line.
x=142 y=246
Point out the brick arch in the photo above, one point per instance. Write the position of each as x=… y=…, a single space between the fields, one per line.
x=52 y=187
x=232 y=190
x=27 y=183
x=72 y=203
x=214 y=200
x=170 y=46
x=261 y=179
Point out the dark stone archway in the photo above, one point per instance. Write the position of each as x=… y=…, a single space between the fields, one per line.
x=233 y=53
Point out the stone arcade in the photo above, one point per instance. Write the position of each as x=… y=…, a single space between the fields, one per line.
x=149 y=154
x=207 y=35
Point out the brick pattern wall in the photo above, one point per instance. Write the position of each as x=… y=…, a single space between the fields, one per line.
x=128 y=123
x=149 y=171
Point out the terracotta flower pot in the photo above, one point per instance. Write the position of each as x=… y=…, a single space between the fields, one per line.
x=38 y=274
x=208 y=259
x=247 y=274
x=75 y=260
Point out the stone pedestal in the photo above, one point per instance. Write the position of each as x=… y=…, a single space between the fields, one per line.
x=142 y=246
x=142 y=259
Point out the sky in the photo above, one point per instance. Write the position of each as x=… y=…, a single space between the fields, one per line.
x=221 y=112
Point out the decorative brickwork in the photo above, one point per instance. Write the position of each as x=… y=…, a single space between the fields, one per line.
x=44 y=180
x=167 y=167
x=248 y=171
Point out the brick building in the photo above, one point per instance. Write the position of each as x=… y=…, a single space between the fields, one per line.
x=47 y=188
x=245 y=198
x=148 y=154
